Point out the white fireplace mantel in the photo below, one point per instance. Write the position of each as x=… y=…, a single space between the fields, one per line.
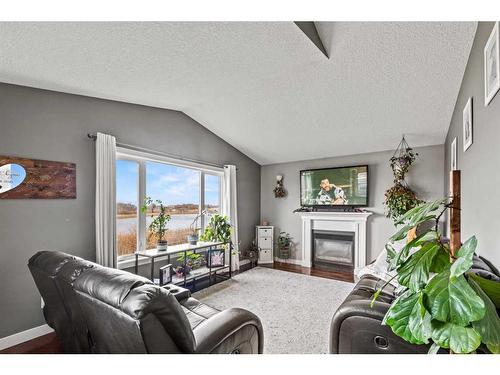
x=335 y=221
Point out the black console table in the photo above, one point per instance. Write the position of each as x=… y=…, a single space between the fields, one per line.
x=202 y=272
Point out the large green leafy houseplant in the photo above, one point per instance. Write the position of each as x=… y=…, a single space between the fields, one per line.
x=218 y=229
x=439 y=300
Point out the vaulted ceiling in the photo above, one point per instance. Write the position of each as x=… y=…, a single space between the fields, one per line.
x=264 y=87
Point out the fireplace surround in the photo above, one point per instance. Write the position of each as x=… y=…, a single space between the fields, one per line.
x=334 y=221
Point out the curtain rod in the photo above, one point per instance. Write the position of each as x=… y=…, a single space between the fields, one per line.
x=160 y=153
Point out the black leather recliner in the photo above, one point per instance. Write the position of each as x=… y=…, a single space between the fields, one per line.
x=357 y=327
x=95 y=309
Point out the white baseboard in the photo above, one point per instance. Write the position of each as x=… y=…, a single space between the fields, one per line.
x=298 y=262
x=29 y=334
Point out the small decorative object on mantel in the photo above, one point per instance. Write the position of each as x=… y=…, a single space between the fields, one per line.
x=22 y=178
x=279 y=190
x=400 y=198
x=491 y=65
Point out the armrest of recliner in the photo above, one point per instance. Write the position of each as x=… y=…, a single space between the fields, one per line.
x=358 y=303
x=178 y=292
x=230 y=331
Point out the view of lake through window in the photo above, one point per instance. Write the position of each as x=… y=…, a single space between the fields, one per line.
x=179 y=190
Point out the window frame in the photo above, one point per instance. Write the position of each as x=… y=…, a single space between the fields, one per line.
x=141 y=158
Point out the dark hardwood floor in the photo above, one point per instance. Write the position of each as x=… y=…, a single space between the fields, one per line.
x=47 y=344
x=315 y=271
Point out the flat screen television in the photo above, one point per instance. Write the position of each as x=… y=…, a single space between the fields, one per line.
x=344 y=186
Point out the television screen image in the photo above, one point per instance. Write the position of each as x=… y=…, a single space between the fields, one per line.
x=345 y=186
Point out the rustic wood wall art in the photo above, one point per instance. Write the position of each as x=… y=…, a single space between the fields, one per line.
x=22 y=178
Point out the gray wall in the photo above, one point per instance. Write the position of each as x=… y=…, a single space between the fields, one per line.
x=480 y=163
x=53 y=126
x=426 y=178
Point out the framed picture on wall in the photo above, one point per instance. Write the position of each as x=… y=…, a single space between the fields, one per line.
x=491 y=66
x=467 y=124
x=453 y=154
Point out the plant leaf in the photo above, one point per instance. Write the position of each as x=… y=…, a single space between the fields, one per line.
x=420 y=321
x=495 y=349
x=375 y=296
x=441 y=260
x=490 y=287
x=434 y=348
x=420 y=213
x=453 y=300
x=402 y=256
x=391 y=257
x=404 y=309
x=414 y=273
x=489 y=326
x=464 y=257
x=457 y=338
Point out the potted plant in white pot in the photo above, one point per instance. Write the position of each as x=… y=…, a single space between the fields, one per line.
x=158 y=227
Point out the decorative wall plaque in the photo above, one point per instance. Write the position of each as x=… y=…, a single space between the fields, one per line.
x=36 y=179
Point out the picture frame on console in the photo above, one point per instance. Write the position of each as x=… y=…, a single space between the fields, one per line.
x=216 y=258
x=165 y=274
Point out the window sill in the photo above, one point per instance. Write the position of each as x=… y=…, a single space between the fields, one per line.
x=129 y=262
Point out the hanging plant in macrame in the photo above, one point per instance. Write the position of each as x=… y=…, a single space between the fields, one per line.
x=400 y=198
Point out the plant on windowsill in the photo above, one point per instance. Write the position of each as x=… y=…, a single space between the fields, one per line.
x=192 y=237
x=439 y=299
x=284 y=243
x=158 y=227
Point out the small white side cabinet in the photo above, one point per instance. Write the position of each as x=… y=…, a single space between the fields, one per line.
x=265 y=244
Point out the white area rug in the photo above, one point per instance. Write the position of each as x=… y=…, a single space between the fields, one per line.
x=295 y=310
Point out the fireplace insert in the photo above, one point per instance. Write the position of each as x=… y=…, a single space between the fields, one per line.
x=333 y=249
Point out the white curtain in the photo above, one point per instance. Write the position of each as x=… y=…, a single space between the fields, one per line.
x=105 y=200
x=230 y=209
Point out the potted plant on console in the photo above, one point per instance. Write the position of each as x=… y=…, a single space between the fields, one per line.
x=158 y=227
x=189 y=261
x=218 y=230
x=192 y=237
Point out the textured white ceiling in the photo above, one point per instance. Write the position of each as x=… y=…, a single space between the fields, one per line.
x=263 y=87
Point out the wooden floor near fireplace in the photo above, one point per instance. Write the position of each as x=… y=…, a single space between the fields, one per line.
x=315 y=271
